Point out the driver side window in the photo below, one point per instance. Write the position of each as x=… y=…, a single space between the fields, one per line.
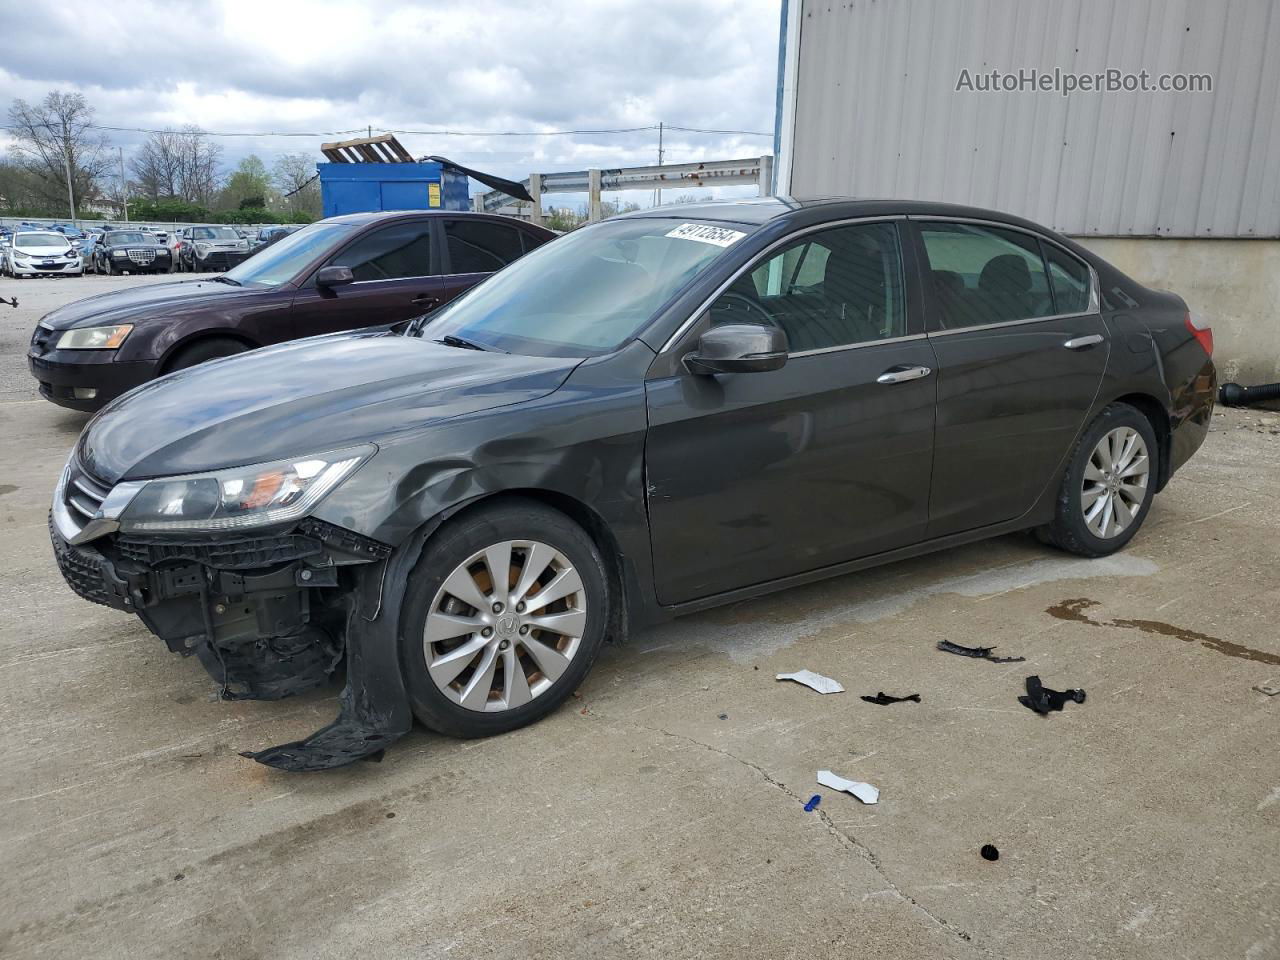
x=391 y=253
x=832 y=288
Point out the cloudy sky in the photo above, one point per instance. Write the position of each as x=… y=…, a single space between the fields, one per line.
x=478 y=66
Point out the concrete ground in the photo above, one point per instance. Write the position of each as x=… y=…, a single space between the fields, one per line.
x=659 y=813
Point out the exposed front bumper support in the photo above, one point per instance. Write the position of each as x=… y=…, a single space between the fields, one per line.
x=375 y=705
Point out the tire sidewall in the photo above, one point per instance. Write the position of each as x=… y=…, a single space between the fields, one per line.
x=451 y=545
x=1071 y=512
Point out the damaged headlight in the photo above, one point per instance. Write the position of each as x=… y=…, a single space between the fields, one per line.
x=237 y=497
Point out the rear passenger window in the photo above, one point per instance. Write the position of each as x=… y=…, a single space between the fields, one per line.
x=833 y=288
x=984 y=275
x=1069 y=279
x=479 y=246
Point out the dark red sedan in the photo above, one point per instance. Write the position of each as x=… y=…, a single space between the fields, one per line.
x=359 y=270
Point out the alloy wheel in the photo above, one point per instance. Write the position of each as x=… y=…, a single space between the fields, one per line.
x=1115 y=482
x=505 y=625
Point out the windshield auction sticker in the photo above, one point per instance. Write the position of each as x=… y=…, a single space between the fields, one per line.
x=716 y=236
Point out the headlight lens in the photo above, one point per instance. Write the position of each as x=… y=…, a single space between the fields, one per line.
x=95 y=338
x=202 y=248
x=119 y=253
x=252 y=496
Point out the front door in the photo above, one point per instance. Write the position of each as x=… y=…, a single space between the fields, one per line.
x=756 y=476
x=396 y=278
x=1021 y=351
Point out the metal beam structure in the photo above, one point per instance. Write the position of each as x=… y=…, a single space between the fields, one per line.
x=709 y=173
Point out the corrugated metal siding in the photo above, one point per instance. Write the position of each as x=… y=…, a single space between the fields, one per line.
x=876 y=112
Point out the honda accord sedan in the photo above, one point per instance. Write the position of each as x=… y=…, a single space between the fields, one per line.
x=360 y=270
x=653 y=415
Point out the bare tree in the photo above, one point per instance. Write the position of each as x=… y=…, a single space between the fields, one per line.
x=157 y=166
x=294 y=175
x=198 y=166
x=55 y=136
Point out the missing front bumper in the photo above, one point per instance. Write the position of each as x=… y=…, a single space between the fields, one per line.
x=269 y=617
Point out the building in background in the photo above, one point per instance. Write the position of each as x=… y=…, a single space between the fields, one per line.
x=1179 y=189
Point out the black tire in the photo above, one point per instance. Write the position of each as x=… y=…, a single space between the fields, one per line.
x=211 y=348
x=1069 y=530
x=456 y=541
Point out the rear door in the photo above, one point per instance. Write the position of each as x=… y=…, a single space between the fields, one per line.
x=474 y=247
x=1021 y=348
x=756 y=476
x=397 y=277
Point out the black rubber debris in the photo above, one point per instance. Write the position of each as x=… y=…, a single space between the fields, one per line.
x=1042 y=700
x=883 y=699
x=989 y=852
x=978 y=653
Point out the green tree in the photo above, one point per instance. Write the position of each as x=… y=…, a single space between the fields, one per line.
x=249 y=181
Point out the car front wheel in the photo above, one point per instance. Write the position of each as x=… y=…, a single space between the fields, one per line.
x=503 y=617
x=1109 y=485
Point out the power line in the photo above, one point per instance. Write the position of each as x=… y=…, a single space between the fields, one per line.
x=426 y=133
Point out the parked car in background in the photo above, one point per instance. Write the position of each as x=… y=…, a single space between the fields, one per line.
x=130 y=251
x=88 y=247
x=211 y=249
x=657 y=414
x=33 y=253
x=361 y=270
x=269 y=235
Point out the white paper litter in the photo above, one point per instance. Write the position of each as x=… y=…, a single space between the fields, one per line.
x=863 y=791
x=813 y=680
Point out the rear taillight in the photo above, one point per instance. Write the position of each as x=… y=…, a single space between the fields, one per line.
x=1201 y=330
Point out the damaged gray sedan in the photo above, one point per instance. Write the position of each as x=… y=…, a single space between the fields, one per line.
x=648 y=417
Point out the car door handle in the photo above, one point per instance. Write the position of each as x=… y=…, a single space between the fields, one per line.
x=426 y=300
x=901 y=374
x=1079 y=343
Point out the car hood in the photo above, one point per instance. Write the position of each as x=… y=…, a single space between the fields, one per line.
x=305 y=397
x=142 y=302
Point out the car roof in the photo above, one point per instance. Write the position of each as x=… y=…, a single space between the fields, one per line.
x=757 y=211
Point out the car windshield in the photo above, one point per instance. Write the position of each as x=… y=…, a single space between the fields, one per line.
x=586 y=293
x=281 y=262
x=214 y=233
x=133 y=236
x=25 y=240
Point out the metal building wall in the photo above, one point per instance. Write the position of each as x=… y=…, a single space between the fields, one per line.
x=870 y=109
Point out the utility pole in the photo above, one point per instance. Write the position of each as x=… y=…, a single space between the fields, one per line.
x=657 y=194
x=66 y=165
x=124 y=193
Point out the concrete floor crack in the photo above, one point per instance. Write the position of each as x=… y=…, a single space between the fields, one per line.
x=844 y=839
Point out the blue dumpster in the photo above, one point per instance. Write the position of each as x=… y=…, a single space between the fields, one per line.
x=361 y=187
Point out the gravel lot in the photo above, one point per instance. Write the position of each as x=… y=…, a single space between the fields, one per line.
x=660 y=812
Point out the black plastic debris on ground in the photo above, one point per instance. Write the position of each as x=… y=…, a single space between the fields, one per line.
x=989 y=852
x=1042 y=700
x=883 y=699
x=978 y=653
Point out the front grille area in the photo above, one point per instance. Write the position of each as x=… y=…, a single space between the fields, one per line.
x=43 y=338
x=142 y=256
x=84 y=493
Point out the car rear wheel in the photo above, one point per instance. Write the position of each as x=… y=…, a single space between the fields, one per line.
x=1107 y=491
x=204 y=350
x=503 y=617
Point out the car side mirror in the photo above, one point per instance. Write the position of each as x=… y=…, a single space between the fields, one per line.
x=328 y=277
x=739 y=348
